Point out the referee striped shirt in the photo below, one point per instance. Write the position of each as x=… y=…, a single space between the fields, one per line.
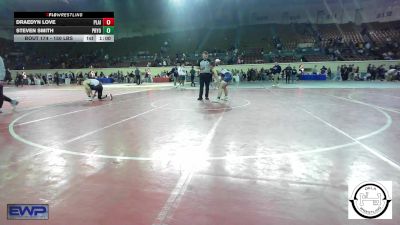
x=205 y=66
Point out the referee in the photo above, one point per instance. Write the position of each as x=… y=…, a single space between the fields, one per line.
x=205 y=75
x=92 y=84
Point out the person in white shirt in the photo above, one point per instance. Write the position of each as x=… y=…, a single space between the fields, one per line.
x=182 y=75
x=391 y=74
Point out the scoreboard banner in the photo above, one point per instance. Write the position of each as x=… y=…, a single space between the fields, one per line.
x=64 y=26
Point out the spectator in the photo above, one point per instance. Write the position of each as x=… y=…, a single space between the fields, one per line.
x=373 y=73
x=391 y=74
x=44 y=78
x=137 y=76
x=79 y=79
x=31 y=78
x=182 y=75
x=323 y=70
x=338 y=75
x=276 y=70
x=174 y=74
x=301 y=69
x=19 y=80
x=315 y=70
x=147 y=75
x=192 y=74
x=130 y=76
x=57 y=78
x=344 y=73
x=288 y=73
x=381 y=73
x=294 y=74
x=24 y=78
x=329 y=73
x=8 y=77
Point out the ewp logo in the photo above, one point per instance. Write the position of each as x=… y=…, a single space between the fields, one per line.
x=27 y=211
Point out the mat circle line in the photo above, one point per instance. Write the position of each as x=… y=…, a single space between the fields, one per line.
x=138 y=158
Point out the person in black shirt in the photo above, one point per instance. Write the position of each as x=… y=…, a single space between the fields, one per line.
x=323 y=70
x=192 y=74
x=381 y=73
x=137 y=76
x=294 y=74
x=174 y=74
x=276 y=70
x=8 y=77
x=18 y=80
x=57 y=78
x=44 y=78
x=288 y=73
x=329 y=73
x=369 y=68
x=373 y=72
x=343 y=72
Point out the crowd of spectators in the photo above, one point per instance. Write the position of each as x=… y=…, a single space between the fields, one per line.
x=340 y=50
x=289 y=73
x=351 y=72
x=57 y=78
x=352 y=45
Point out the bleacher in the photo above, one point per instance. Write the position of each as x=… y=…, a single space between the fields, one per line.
x=251 y=40
x=317 y=58
x=382 y=36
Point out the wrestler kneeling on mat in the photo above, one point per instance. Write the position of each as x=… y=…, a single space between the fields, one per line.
x=96 y=86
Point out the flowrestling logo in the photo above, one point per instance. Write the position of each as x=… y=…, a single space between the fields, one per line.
x=27 y=212
x=370 y=200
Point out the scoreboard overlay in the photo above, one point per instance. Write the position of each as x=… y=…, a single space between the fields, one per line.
x=64 y=26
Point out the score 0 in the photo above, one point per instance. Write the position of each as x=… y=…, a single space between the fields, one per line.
x=108 y=25
x=108 y=21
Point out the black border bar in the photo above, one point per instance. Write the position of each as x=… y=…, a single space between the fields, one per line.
x=61 y=22
x=68 y=15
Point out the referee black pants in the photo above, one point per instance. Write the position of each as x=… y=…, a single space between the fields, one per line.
x=99 y=89
x=205 y=79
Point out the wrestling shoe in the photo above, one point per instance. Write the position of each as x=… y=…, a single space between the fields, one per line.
x=217 y=100
x=102 y=98
x=14 y=103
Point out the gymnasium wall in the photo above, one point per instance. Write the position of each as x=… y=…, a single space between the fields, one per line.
x=157 y=70
x=322 y=12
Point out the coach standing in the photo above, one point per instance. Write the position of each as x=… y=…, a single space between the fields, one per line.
x=137 y=76
x=276 y=70
x=205 y=75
